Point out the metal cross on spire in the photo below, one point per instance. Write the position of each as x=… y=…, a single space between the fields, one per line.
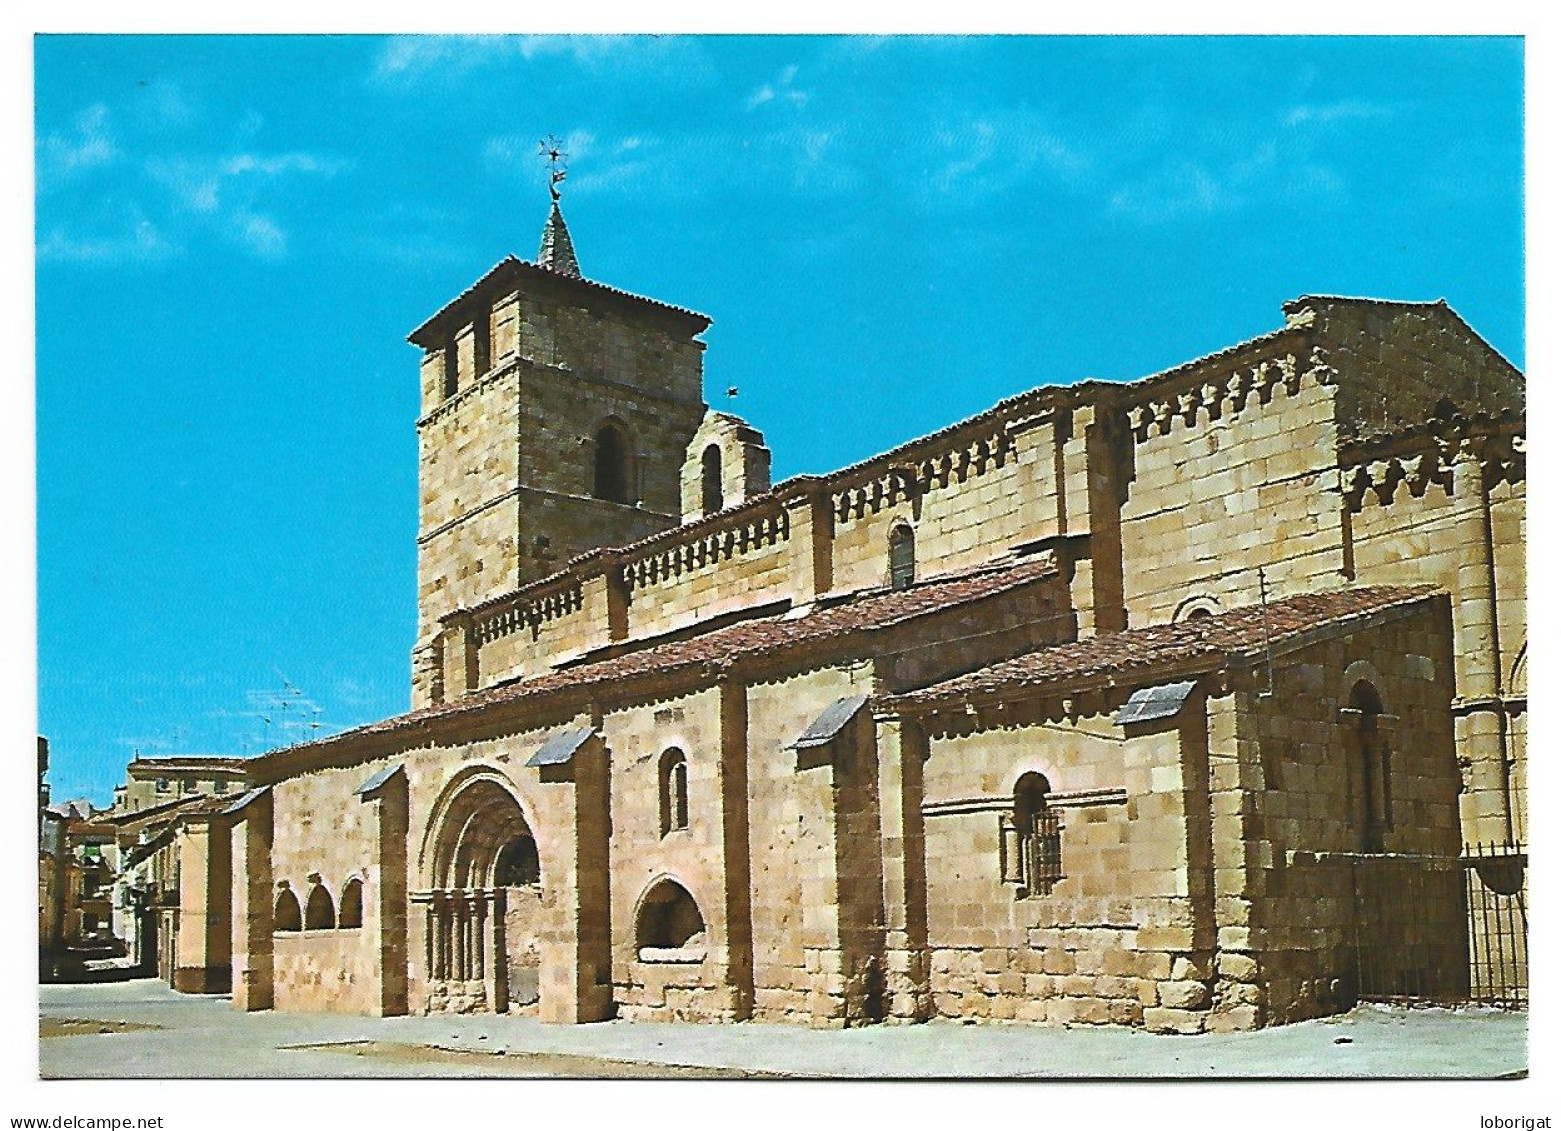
x=552 y=150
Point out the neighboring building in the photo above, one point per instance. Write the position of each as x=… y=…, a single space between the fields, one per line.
x=1170 y=702
x=52 y=869
x=158 y=792
x=91 y=859
x=153 y=782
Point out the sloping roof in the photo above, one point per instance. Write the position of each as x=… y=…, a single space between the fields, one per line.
x=201 y=763
x=1204 y=643
x=823 y=729
x=703 y=656
x=510 y=266
x=1148 y=704
x=129 y=818
x=559 y=749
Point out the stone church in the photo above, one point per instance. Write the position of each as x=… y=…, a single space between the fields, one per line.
x=1088 y=708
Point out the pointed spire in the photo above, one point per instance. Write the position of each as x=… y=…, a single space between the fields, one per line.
x=558 y=250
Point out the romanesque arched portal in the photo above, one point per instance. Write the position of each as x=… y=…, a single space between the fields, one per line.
x=482 y=898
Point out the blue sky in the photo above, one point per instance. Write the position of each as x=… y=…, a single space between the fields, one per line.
x=234 y=236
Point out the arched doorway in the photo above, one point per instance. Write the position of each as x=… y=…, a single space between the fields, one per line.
x=483 y=903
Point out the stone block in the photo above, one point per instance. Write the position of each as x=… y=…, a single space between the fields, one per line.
x=1167 y=1020
x=1184 y=995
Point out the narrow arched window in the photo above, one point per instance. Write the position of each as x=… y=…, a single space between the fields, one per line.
x=902 y=556
x=518 y=864
x=352 y=903
x=711 y=499
x=320 y=911
x=1372 y=768
x=287 y=915
x=674 y=791
x=451 y=374
x=1039 y=836
x=611 y=480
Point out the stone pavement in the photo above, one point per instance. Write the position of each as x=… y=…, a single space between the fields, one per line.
x=205 y=1037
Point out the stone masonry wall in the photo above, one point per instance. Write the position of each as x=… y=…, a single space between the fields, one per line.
x=1102 y=946
x=693 y=856
x=797 y=969
x=1398 y=362
x=982 y=497
x=1462 y=526
x=738 y=563
x=507 y=464
x=1251 y=481
x=325 y=833
x=1289 y=814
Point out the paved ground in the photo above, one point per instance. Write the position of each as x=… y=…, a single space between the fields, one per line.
x=142 y=1028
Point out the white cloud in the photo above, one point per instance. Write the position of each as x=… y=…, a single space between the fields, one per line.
x=90 y=146
x=124 y=234
x=259 y=234
x=1336 y=112
x=1003 y=151
x=280 y=164
x=227 y=192
x=169 y=104
x=1182 y=189
x=412 y=58
x=779 y=90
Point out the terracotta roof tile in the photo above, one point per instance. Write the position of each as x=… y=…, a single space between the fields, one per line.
x=863 y=612
x=1209 y=640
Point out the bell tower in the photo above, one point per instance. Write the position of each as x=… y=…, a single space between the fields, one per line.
x=556 y=416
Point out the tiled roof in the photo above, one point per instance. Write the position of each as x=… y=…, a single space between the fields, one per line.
x=511 y=265
x=858 y=614
x=198 y=762
x=1202 y=643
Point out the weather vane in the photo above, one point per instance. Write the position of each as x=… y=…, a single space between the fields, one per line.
x=552 y=149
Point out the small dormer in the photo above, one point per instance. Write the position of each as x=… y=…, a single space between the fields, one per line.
x=727 y=464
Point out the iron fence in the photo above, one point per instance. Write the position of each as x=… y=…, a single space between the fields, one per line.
x=1444 y=929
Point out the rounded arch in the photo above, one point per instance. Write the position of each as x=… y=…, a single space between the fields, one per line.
x=1196 y=607
x=1365 y=698
x=1517 y=681
x=475 y=816
x=351 y=903
x=518 y=864
x=1031 y=789
x=902 y=555
x=612 y=462
x=320 y=910
x=711 y=495
x=286 y=915
x=1362 y=671
x=668 y=916
x=1036 y=847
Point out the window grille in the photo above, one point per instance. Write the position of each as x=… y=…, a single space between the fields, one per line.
x=1040 y=847
x=1032 y=839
